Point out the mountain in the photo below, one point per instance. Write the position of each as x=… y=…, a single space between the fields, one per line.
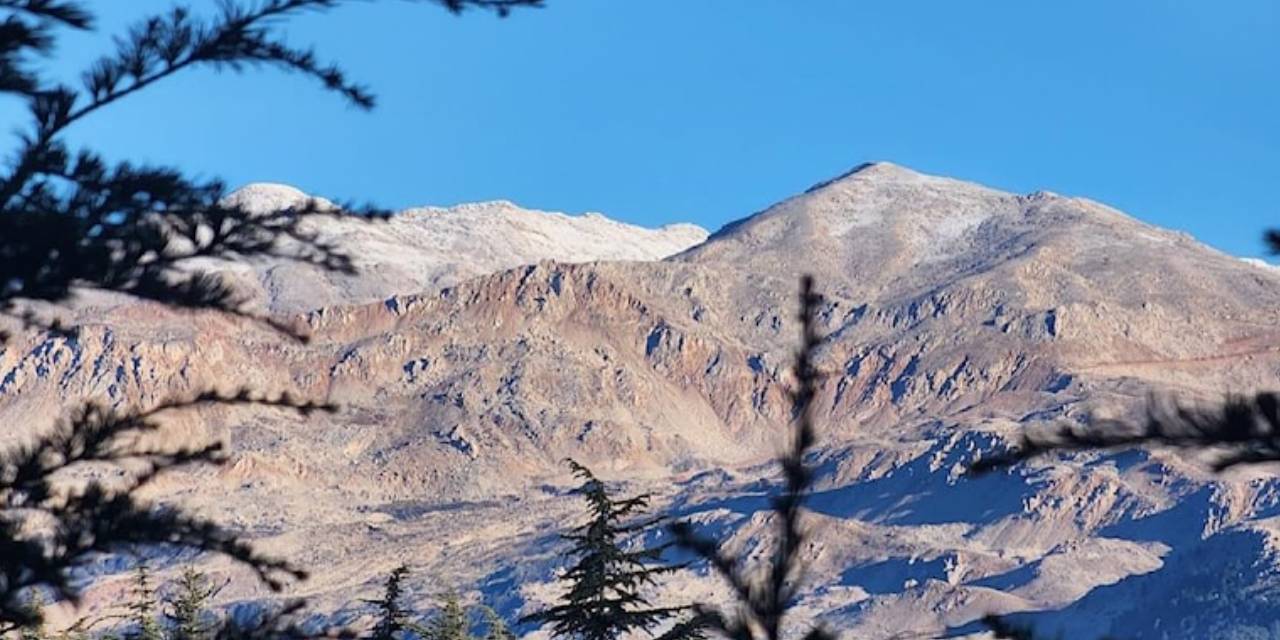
x=427 y=248
x=956 y=316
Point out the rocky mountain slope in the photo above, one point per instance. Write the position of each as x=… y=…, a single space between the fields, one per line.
x=956 y=316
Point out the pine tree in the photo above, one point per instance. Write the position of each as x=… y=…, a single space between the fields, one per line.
x=604 y=600
x=450 y=623
x=393 y=618
x=497 y=627
x=187 y=608
x=142 y=607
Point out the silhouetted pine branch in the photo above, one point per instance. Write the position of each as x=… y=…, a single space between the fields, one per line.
x=1242 y=430
x=48 y=525
x=70 y=219
x=762 y=604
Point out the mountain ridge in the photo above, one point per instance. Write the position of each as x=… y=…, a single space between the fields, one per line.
x=268 y=196
x=671 y=375
x=422 y=248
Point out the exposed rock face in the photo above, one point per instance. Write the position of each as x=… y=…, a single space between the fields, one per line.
x=957 y=315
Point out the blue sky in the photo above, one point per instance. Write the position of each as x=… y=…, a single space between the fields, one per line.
x=708 y=110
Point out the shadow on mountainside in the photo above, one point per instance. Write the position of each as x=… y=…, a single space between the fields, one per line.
x=1226 y=586
x=919 y=492
x=922 y=492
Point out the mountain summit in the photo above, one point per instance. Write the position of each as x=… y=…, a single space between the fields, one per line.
x=879 y=222
x=877 y=171
x=956 y=316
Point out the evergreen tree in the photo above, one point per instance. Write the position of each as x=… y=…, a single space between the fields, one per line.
x=604 y=600
x=497 y=627
x=450 y=623
x=142 y=607
x=187 y=607
x=393 y=618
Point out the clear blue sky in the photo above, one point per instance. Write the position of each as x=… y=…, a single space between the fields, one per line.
x=708 y=110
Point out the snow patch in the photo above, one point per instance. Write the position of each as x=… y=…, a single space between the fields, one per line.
x=1261 y=264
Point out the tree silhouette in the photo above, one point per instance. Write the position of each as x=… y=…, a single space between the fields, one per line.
x=497 y=628
x=762 y=604
x=393 y=617
x=48 y=526
x=1271 y=237
x=142 y=607
x=71 y=220
x=1240 y=431
x=604 y=600
x=450 y=623
x=187 y=607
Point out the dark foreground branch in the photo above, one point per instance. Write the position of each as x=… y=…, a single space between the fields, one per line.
x=51 y=523
x=69 y=219
x=763 y=601
x=1242 y=430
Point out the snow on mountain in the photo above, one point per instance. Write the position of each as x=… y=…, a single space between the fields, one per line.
x=1261 y=264
x=426 y=248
